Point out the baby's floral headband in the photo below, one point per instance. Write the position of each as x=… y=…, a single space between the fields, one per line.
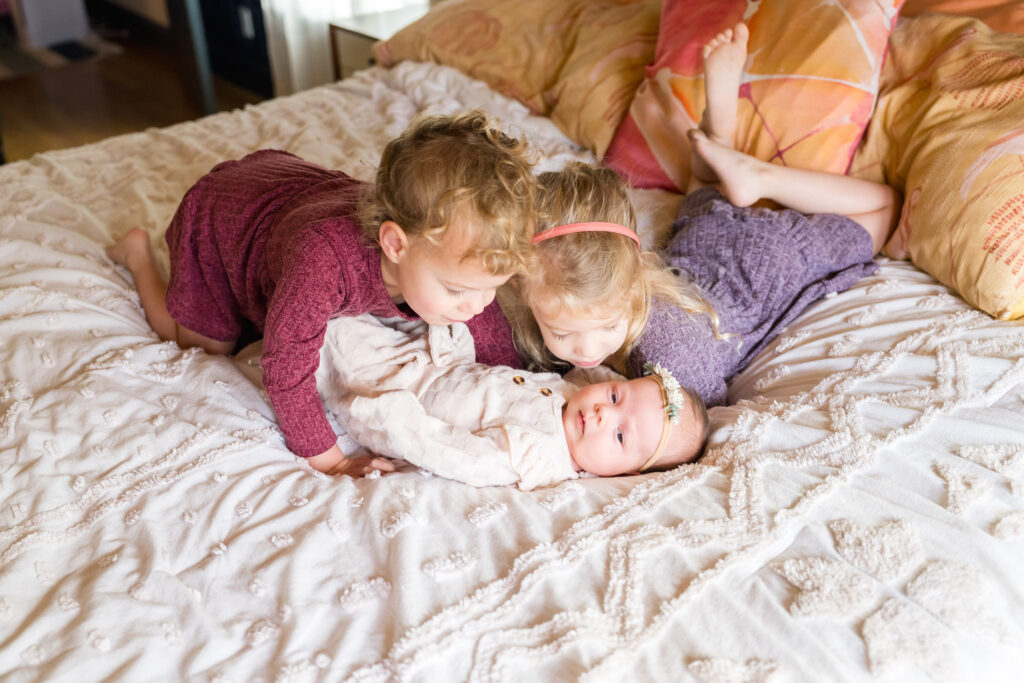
x=674 y=401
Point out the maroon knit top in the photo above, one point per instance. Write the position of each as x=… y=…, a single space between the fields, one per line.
x=274 y=241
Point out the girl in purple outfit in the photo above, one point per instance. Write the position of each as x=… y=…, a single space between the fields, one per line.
x=740 y=274
x=275 y=246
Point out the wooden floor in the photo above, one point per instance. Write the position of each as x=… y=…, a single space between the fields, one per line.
x=88 y=101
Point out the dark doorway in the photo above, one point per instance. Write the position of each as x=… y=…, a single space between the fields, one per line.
x=237 y=43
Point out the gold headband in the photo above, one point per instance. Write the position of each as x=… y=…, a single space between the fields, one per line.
x=673 y=396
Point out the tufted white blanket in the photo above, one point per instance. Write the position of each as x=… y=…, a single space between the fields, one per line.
x=859 y=515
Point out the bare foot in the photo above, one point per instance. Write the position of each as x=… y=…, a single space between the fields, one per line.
x=130 y=249
x=739 y=175
x=663 y=123
x=724 y=57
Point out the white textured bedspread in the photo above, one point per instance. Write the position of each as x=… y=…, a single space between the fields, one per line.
x=859 y=515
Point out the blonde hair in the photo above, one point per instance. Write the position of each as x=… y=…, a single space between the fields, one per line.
x=443 y=168
x=590 y=272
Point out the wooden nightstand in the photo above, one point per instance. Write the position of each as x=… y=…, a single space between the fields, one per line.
x=352 y=38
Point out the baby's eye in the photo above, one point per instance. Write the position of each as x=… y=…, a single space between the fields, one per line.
x=615 y=397
x=612 y=328
x=618 y=436
x=455 y=292
x=560 y=337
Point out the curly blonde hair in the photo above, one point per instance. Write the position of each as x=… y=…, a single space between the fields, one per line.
x=443 y=168
x=590 y=272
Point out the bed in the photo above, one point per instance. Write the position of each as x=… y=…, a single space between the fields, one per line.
x=858 y=515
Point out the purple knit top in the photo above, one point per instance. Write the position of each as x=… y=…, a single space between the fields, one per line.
x=759 y=269
x=273 y=242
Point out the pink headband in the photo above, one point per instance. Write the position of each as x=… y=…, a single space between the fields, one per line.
x=560 y=230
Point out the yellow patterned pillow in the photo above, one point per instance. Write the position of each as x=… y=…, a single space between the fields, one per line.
x=998 y=15
x=949 y=133
x=578 y=61
x=808 y=88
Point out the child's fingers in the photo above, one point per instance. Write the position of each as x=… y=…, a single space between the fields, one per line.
x=362 y=465
x=382 y=464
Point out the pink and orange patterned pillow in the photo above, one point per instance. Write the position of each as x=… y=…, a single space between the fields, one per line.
x=808 y=89
x=949 y=133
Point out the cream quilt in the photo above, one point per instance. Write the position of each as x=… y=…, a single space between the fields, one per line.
x=859 y=516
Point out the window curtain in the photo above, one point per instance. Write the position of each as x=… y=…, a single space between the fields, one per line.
x=298 y=39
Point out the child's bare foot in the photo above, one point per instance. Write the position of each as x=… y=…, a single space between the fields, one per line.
x=133 y=246
x=724 y=57
x=740 y=176
x=663 y=122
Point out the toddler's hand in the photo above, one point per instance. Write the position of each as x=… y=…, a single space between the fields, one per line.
x=334 y=462
x=362 y=465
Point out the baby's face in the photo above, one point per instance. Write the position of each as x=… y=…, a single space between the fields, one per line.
x=613 y=427
x=584 y=342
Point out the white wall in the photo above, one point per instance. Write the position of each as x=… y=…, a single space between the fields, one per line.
x=42 y=23
x=154 y=10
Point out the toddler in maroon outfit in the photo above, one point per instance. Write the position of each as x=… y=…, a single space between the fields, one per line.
x=278 y=245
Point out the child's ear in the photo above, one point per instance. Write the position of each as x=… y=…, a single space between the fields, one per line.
x=393 y=241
